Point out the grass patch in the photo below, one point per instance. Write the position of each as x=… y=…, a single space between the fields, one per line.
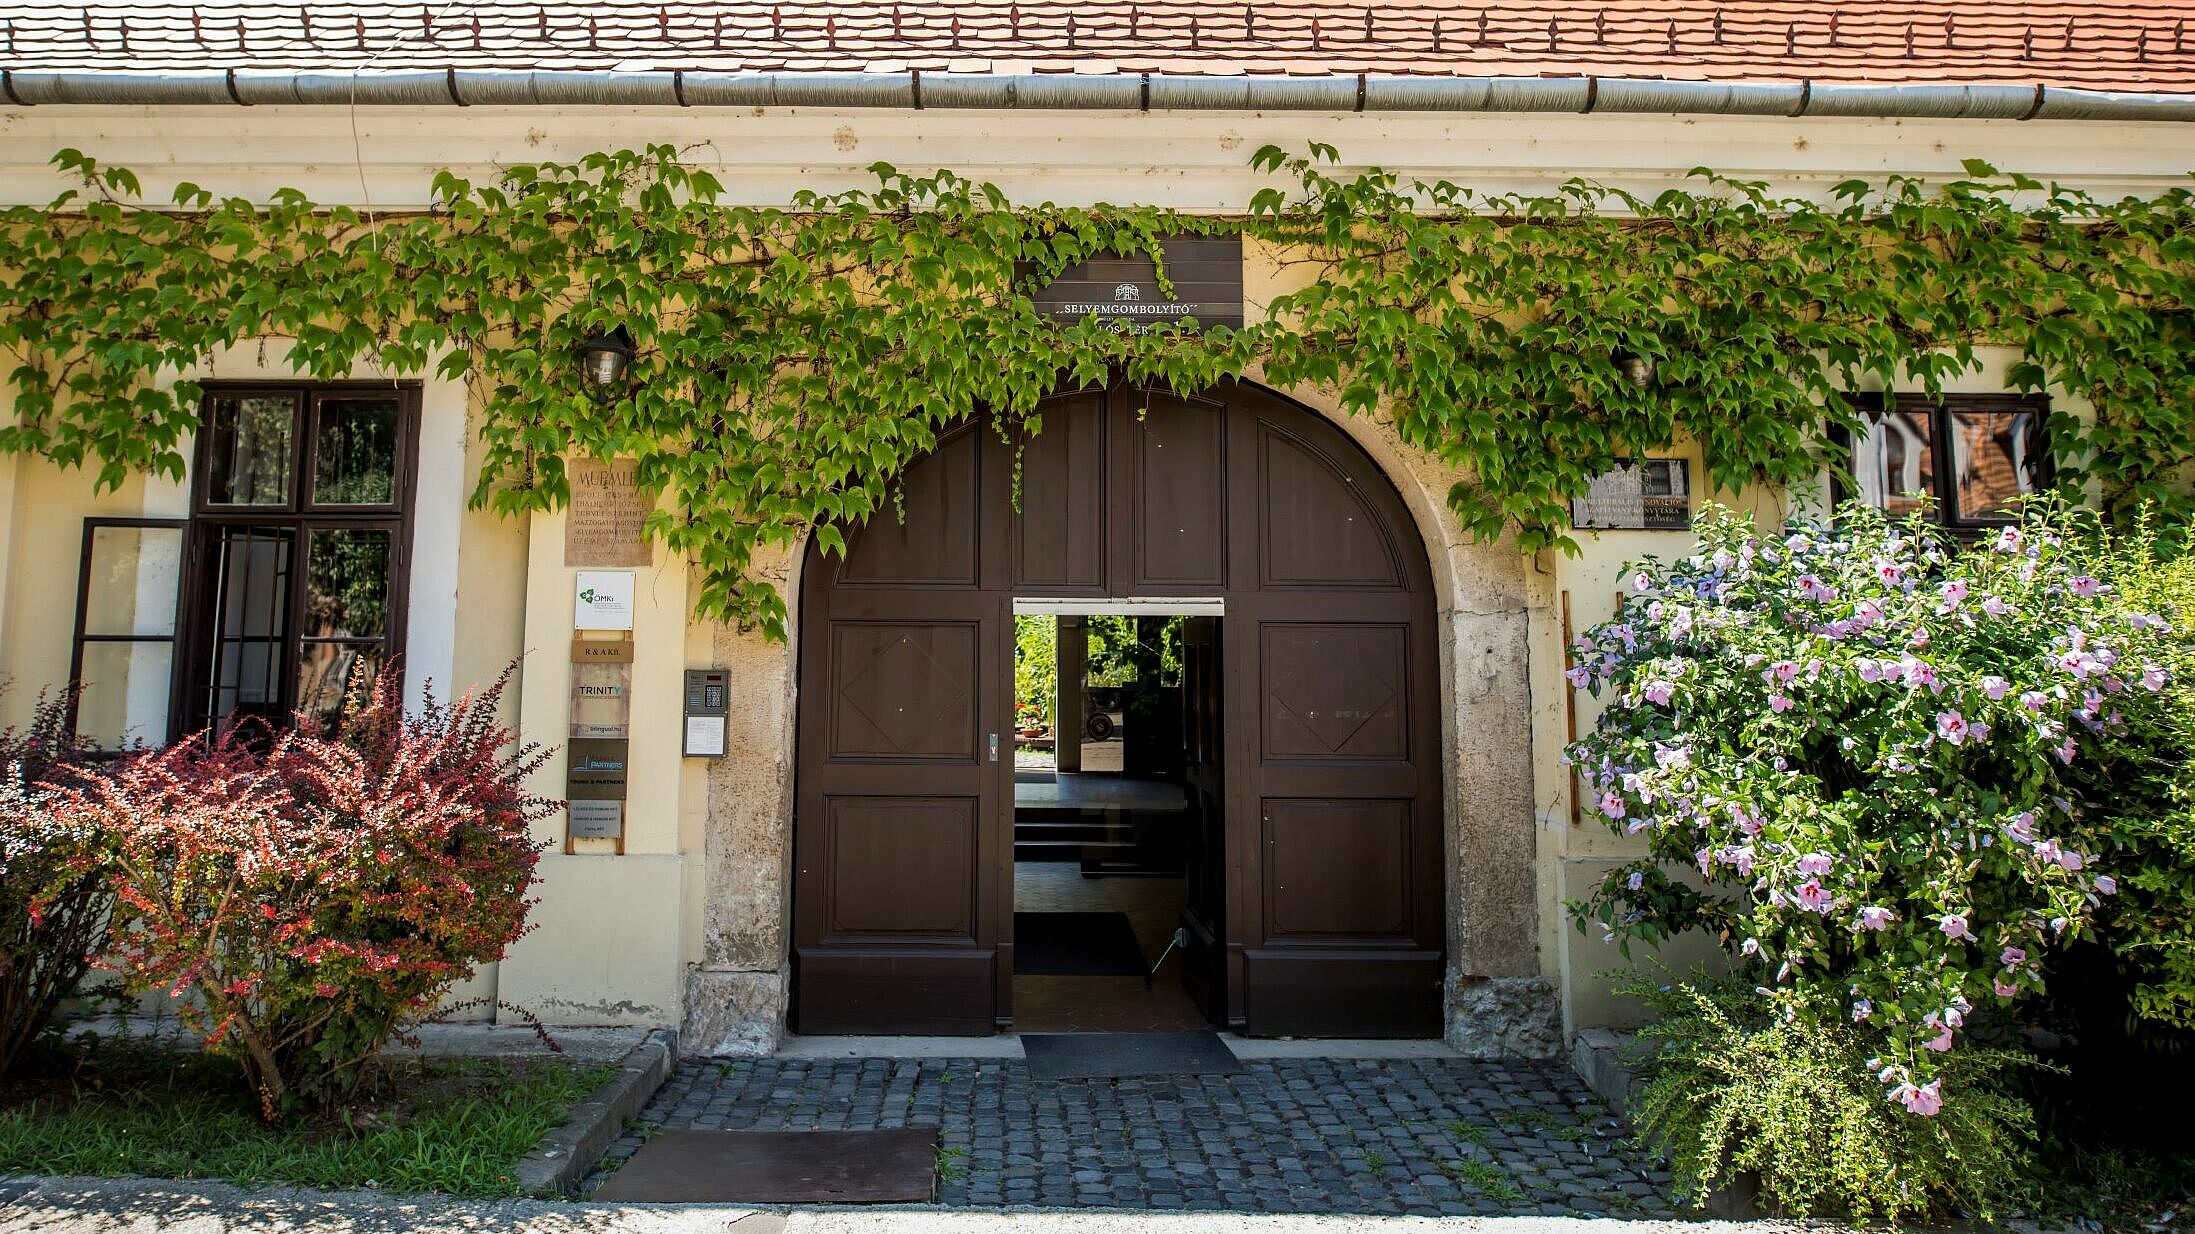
x=1466 y=1133
x=1540 y=1122
x=1490 y=1179
x=457 y=1126
x=951 y=1164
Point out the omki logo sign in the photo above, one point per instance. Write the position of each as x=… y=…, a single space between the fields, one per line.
x=603 y=600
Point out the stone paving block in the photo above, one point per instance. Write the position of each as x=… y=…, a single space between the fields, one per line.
x=1288 y=1135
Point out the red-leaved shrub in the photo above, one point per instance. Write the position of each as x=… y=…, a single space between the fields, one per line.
x=53 y=912
x=306 y=897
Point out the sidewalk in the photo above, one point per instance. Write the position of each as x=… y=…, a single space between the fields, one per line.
x=132 y=1206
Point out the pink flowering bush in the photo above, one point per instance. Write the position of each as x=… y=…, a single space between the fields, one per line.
x=1903 y=769
x=304 y=899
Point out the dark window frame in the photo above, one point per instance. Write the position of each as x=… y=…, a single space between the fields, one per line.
x=79 y=640
x=1943 y=458
x=198 y=626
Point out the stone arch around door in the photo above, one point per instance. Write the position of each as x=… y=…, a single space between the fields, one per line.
x=1470 y=625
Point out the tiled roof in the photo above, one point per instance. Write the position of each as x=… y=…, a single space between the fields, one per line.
x=2132 y=45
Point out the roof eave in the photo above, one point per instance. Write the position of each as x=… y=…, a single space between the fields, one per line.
x=1096 y=92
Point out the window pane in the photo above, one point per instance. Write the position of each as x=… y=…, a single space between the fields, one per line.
x=329 y=672
x=347 y=592
x=1908 y=461
x=130 y=583
x=250 y=450
x=355 y=453
x=124 y=702
x=251 y=614
x=1991 y=456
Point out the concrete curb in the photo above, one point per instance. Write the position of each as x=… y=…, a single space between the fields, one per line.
x=1603 y=1058
x=1599 y=1056
x=562 y=1159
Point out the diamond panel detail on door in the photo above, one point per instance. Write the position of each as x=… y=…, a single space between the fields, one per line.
x=895 y=902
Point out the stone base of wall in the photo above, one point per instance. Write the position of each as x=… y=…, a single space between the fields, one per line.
x=1504 y=1017
x=733 y=1013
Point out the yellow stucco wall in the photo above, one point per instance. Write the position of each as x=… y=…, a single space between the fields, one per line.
x=616 y=933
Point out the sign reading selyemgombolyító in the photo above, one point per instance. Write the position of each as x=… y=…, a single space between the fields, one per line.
x=1123 y=292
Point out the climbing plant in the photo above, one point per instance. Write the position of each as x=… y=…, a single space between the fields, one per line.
x=792 y=362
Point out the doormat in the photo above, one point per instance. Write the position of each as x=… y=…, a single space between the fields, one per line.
x=778 y=1167
x=1115 y=1056
x=1077 y=945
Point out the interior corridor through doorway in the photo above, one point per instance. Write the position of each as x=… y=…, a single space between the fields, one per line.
x=1115 y=828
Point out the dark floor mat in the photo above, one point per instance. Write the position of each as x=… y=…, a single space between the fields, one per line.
x=1077 y=945
x=778 y=1167
x=1112 y=1056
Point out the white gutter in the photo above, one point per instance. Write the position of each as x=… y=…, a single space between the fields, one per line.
x=1062 y=91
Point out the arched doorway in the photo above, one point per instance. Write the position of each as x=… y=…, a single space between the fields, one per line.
x=1317 y=906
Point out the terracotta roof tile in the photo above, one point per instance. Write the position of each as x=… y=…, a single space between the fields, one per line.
x=2140 y=45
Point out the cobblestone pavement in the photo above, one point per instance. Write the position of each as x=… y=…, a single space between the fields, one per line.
x=1426 y=1136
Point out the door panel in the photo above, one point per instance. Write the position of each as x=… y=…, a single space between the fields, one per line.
x=935 y=544
x=1178 y=452
x=901 y=865
x=1332 y=691
x=1319 y=530
x=1059 y=533
x=904 y=691
x=895 y=918
x=1339 y=823
x=1337 y=869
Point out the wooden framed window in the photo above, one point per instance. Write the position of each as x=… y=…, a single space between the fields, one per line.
x=300 y=538
x=1968 y=458
x=127 y=590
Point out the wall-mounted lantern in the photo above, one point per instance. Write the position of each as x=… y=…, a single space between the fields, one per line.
x=1636 y=369
x=607 y=354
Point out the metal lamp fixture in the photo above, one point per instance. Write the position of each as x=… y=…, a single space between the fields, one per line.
x=1636 y=369
x=607 y=354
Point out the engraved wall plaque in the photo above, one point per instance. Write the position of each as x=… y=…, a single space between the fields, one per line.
x=598 y=820
x=1652 y=494
x=603 y=525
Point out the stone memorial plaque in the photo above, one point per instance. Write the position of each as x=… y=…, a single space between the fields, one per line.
x=1653 y=494
x=595 y=770
x=603 y=527
x=1124 y=292
x=597 y=820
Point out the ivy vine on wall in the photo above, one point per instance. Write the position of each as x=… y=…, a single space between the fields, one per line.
x=793 y=361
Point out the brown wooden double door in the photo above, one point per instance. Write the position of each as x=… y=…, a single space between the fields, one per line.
x=1315 y=901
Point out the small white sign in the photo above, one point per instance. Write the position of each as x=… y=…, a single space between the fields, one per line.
x=704 y=736
x=604 y=600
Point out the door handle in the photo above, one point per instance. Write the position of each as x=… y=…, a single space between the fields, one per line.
x=994 y=747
